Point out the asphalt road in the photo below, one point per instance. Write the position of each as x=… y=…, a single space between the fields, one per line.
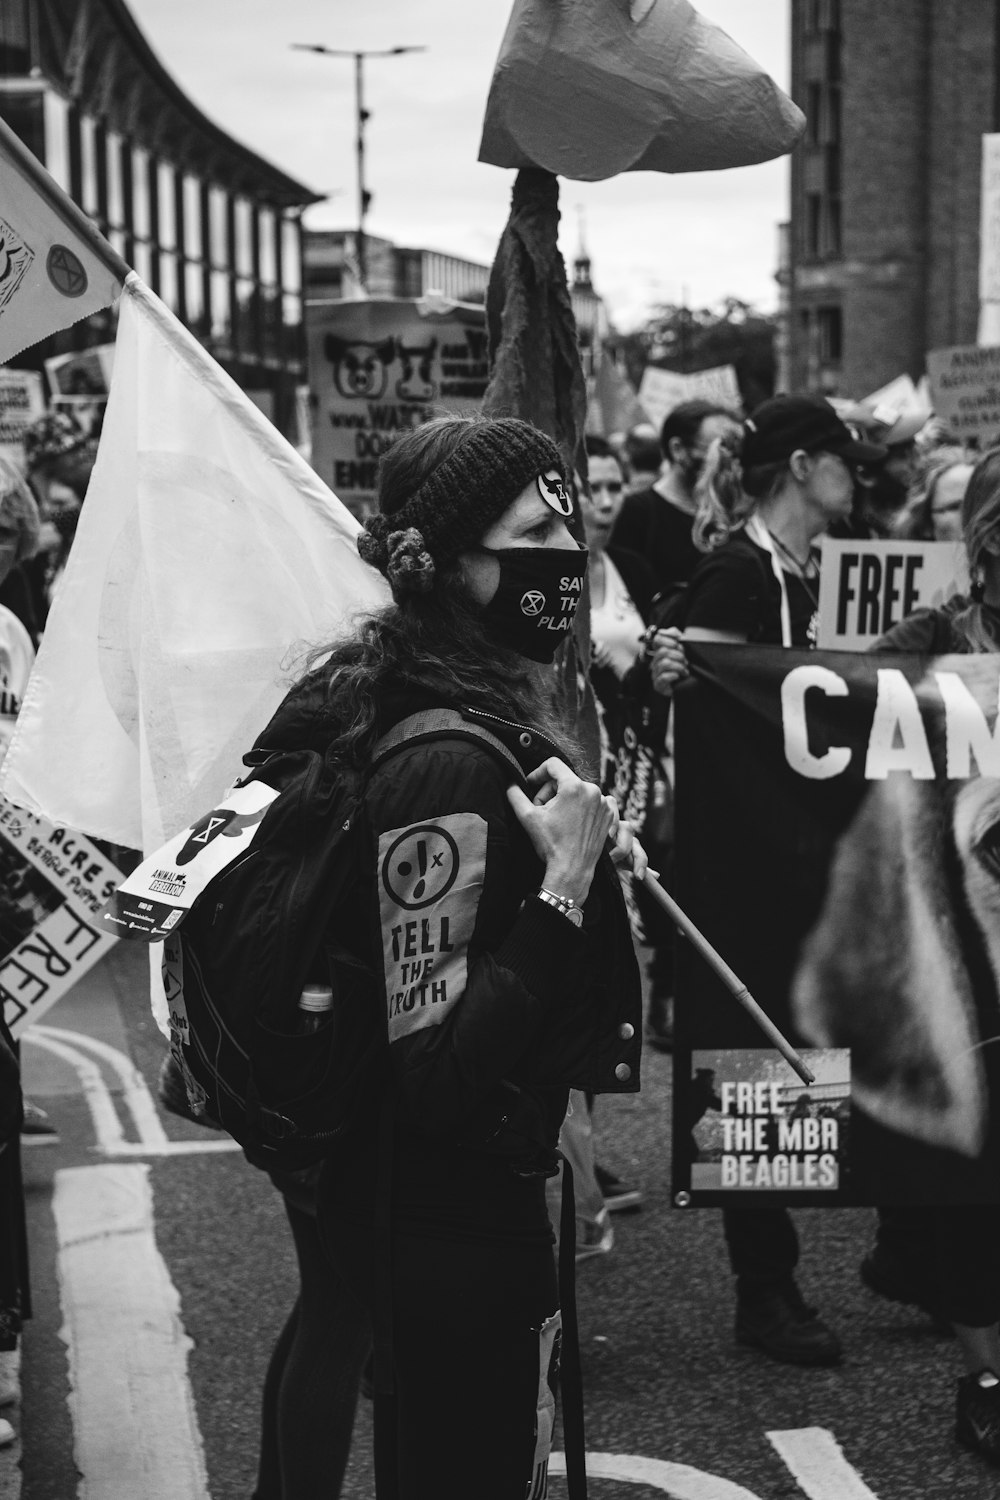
x=664 y=1381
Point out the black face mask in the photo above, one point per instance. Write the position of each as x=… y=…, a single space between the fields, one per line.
x=533 y=609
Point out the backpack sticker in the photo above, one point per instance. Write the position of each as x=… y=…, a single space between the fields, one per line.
x=160 y=891
x=430 y=881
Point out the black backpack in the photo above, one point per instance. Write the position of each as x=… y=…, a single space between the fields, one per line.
x=237 y=958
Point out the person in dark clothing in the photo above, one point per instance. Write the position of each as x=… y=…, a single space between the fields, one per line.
x=656 y=522
x=944 y=1259
x=489 y=919
x=759 y=581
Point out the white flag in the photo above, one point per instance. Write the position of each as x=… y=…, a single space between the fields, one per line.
x=54 y=266
x=208 y=556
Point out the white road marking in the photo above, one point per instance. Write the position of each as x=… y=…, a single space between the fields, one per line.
x=679 y=1480
x=817 y=1461
x=153 y=1140
x=134 y=1423
x=107 y=1126
x=137 y=1096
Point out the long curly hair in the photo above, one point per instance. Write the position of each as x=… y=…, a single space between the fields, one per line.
x=430 y=643
x=980 y=528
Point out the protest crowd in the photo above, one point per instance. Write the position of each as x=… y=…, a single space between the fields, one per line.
x=722 y=546
x=441 y=912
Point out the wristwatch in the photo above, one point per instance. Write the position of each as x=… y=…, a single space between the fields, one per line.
x=565 y=905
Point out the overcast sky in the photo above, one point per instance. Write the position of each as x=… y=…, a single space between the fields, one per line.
x=651 y=237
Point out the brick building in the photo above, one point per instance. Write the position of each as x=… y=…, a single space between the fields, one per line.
x=880 y=259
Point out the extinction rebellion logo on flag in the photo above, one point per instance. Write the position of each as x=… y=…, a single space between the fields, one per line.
x=15 y=258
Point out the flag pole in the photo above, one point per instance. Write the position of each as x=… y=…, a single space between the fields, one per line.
x=61 y=203
x=733 y=983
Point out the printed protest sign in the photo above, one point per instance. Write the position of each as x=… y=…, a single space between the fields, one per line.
x=53 y=886
x=757 y=1128
x=379 y=368
x=661 y=390
x=22 y=402
x=965 y=390
x=836 y=820
x=162 y=890
x=867 y=587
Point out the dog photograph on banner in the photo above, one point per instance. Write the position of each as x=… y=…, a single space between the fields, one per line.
x=851 y=877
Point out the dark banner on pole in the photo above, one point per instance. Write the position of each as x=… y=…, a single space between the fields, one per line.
x=838 y=841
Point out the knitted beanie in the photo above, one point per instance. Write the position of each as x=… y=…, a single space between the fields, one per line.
x=458 y=502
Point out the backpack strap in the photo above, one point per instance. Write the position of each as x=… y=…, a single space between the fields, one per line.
x=441 y=723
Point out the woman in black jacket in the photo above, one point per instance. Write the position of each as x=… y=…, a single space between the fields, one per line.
x=492 y=920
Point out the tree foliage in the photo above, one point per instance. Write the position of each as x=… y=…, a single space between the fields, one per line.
x=687 y=339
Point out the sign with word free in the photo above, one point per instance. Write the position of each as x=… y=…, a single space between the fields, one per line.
x=759 y=1129
x=53 y=884
x=867 y=587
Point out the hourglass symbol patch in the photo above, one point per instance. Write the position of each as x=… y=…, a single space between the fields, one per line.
x=421 y=866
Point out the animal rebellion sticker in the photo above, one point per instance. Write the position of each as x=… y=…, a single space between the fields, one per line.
x=430 y=880
x=554 y=492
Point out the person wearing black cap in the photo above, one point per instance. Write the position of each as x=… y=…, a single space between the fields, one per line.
x=489 y=914
x=761 y=515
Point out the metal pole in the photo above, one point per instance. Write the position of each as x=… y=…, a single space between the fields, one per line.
x=733 y=983
x=359 y=99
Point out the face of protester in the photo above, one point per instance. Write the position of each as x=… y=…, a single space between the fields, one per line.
x=946 y=503
x=528 y=522
x=690 y=461
x=827 y=484
x=600 y=510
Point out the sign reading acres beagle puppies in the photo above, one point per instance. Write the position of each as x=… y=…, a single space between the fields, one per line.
x=379 y=368
x=838 y=842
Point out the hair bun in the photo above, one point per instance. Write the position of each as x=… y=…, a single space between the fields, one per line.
x=371 y=543
x=410 y=567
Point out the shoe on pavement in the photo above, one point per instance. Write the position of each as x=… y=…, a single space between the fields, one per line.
x=619 y=1197
x=594 y=1236
x=7 y=1433
x=977 y=1416
x=784 y=1327
x=36 y=1128
x=889 y=1277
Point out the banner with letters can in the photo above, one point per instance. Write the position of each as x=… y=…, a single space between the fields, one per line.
x=54 y=885
x=378 y=368
x=838 y=842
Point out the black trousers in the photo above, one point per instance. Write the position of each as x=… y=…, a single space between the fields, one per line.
x=955 y=1248
x=474 y=1360
x=763 y=1246
x=311 y=1388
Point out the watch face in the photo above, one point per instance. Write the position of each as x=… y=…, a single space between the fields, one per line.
x=575 y=915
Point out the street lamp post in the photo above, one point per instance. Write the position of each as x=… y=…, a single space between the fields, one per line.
x=361 y=115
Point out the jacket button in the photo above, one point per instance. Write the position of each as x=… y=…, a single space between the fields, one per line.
x=524 y=739
x=626 y=1031
x=623 y=1072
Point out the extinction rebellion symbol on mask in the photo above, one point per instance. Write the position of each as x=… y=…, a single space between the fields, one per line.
x=532 y=603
